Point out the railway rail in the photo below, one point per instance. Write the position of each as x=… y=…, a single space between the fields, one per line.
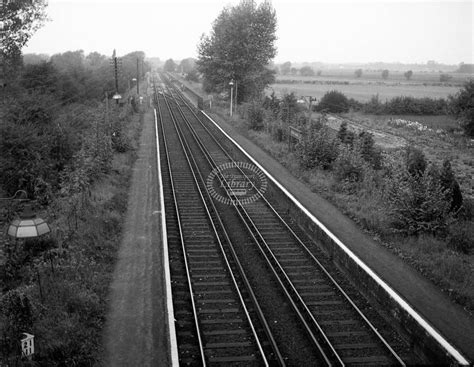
x=337 y=328
x=214 y=325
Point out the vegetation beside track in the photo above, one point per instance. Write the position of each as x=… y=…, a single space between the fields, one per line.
x=74 y=161
x=445 y=257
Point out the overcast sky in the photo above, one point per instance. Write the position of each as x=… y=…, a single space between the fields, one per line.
x=308 y=30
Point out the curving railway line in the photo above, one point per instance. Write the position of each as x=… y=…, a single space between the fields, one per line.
x=225 y=252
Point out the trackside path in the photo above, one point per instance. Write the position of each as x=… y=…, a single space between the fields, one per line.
x=136 y=331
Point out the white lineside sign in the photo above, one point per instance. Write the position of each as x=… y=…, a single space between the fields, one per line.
x=28 y=345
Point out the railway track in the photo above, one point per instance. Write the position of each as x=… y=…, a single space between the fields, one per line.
x=336 y=327
x=213 y=322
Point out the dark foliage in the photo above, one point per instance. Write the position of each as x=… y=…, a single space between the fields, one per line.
x=462 y=107
x=333 y=101
x=240 y=48
x=345 y=136
x=368 y=151
x=415 y=161
x=406 y=106
x=451 y=185
x=319 y=148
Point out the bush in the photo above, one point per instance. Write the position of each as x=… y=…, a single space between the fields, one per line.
x=344 y=135
x=462 y=107
x=406 y=105
x=417 y=203
x=365 y=145
x=415 y=161
x=255 y=115
x=333 y=101
x=445 y=78
x=319 y=149
x=451 y=185
x=349 y=166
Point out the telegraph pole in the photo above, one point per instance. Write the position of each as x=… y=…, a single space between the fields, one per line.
x=114 y=60
x=115 y=63
x=138 y=77
x=311 y=100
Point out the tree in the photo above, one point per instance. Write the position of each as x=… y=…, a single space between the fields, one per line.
x=462 y=107
x=240 y=47
x=306 y=71
x=192 y=75
x=385 y=74
x=42 y=77
x=408 y=74
x=285 y=68
x=358 y=73
x=170 y=65
x=186 y=65
x=20 y=20
x=333 y=101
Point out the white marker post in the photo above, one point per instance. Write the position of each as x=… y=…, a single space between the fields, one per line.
x=28 y=346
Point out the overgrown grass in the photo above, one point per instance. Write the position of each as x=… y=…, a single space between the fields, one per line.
x=67 y=283
x=430 y=255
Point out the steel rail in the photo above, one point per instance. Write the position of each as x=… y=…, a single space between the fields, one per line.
x=229 y=242
x=234 y=281
x=183 y=246
x=301 y=243
x=283 y=287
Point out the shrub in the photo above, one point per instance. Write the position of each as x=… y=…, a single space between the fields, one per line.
x=415 y=161
x=445 y=78
x=349 y=166
x=333 y=101
x=344 y=135
x=368 y=151
x=462 y=107
x=373 y=106
x=255 y=115
x=417 y=203
x=16 y=317
x=406 y=105
x=451 y=185
x=319 y=148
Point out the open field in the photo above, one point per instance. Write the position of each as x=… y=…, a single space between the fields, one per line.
x=364 y=92
x=419 y=77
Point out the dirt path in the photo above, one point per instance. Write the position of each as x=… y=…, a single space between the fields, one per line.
x=136 y=329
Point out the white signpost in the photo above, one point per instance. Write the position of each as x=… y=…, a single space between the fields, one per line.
x=28 y=345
